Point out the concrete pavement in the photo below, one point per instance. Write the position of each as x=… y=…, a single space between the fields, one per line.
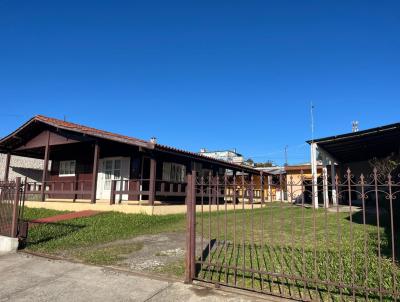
x=25 y=277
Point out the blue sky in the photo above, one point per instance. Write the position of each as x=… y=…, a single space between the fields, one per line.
x=214 y=74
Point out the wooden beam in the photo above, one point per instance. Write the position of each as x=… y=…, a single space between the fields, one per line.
x=189 y=169
x=95 y=172
x=45 y=168
x=7 y=166
x=152 y=184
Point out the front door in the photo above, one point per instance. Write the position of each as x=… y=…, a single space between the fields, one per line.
x=112 y=168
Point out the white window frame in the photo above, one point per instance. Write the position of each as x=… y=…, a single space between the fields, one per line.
x=66 y=163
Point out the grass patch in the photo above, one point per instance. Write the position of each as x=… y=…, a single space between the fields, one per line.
x=300 y=242
x=35 y=213
x=102 y=228
x=280 y=238
x=174 y=269
x=107 y=255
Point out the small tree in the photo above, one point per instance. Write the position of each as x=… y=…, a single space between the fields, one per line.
x=385 y=165
x=249 y=162
x=264 y=164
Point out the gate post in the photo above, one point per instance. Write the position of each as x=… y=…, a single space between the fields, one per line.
x=14 y=225
x=190 y=265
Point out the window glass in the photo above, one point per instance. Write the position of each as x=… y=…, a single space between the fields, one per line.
x=174 y=172
x=67 y=168
x=117 y=164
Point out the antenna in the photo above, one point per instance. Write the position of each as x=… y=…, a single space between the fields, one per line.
x=312 y=122
x=354 y=126
x=286 y=157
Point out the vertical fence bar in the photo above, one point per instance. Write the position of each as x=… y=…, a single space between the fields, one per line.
x=193 y=226
x=14 y=224
x=349 y=189
x=243 y=232
x=262 y=228
x=339 y=240
x=234 y=229
x=327 y=257
x=378 y=230
x=392 y=237
x=362 y=183
x=252 y=247
x=189 y=228
x=226 y=228
x=210 y=182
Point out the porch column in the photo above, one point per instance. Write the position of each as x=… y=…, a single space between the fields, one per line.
x=152 y=184
x=189 y=170
x=325 y=184
x=45 y=167
x=314 y=172
x=333 y=176
x=7 y=166
x=95 y=172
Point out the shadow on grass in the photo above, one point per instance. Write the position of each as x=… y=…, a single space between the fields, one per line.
x=295 y=272
x=390 y=237
x=41 y=233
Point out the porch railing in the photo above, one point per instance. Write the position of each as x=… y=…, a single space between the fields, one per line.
x=140 y=189
x=68 y=188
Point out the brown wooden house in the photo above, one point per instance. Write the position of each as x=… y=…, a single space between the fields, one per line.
x=92 y=164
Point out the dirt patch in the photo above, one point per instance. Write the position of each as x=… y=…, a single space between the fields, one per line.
x=161 y=250
x=163 y=253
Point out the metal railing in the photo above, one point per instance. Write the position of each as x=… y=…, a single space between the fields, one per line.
x=345 y=248
x=11 y=207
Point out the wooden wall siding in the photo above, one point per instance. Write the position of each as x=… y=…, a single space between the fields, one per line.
x=41 y=139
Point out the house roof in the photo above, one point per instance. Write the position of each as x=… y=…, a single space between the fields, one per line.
x=362 y=145
x=29 y=128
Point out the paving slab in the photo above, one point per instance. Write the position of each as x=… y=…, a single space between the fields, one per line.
x=31 y=278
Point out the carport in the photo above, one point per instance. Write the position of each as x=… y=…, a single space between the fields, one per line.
x=351 y=151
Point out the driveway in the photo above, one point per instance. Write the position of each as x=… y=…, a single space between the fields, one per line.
x=30 y=278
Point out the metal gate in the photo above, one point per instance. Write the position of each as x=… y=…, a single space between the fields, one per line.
x=11 y=208
x=269 y=235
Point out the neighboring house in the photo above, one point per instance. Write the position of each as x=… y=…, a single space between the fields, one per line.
x=22 y=167
x=227 y=155
x=299 y=182
x=354 y=151
x=88 y=163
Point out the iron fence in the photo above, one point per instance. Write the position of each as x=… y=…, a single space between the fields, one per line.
x=328 y=240
x=11 y=200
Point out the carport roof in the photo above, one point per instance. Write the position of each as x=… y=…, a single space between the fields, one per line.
x=362 y=145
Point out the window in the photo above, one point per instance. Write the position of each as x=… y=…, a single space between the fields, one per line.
x=67 y=168
x=174 y=172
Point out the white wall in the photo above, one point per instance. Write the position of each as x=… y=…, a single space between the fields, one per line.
x=21 y=167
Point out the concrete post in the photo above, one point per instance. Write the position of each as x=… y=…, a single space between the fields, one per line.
x=333 y=177
x=314 y=172
x=269 y=188
x=325 y=184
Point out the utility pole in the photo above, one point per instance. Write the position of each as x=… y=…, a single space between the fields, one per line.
x=286 y=155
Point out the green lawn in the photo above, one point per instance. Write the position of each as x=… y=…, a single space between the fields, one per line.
x=90 y=231
x=283 y=240
x=280 y=241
